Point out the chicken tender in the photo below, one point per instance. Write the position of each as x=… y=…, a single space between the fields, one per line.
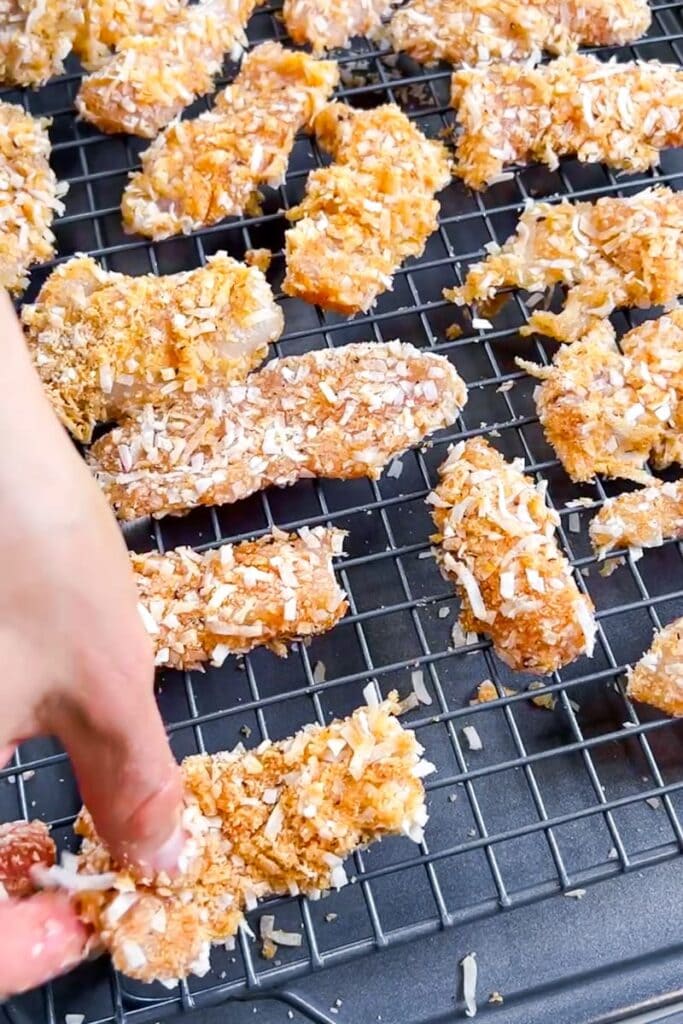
x=619 y=114
x=267 y=592
x=657 y=679
x=30 y=195
x=199 y=171
x=496 y=542
x=278 y=819
x=105 y=344
x=364 y=215
x=331 y=24
x=641 y=519
x=107 y=22
x=477 y=31
x=617 y=252
x=336 y=413
x=36 y=38
x=608 y=412
x=151 y=79
x=23 y=844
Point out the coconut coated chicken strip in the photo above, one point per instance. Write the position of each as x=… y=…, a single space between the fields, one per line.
x=657 y=679
x=36 y=38
x=640 y=519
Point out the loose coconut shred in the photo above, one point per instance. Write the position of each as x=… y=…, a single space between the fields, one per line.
x=152 y=78
x=199 y=171
x=279 y=819
x=617 y=252
x=641 y=519
x=30 y=195
x=35 y=38
x=477 y=31
x=330 y=24
x=105 y=344
x=606 y=411
x=497 y=544
x=657 y=679
x=336 y=413
x=267 y=592
x=106 y=23
x=361 y=217
x=618 y=114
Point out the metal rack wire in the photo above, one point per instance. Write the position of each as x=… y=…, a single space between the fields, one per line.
x=557 y=798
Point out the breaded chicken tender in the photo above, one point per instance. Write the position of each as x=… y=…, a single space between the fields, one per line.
x=278 y=819
x=108 y=22
x=152 y=78
x=617 y=252
x=336 y=413
x=29 y=195
x=496 y=542
x=477 y=31
x=365 y=214
x=104 y=344
x=35 y=38
x=657 y=679
x=199 y=171
x=619 y=114
x=608 y=412
x=266 y=592
x=640 y=519
x=330 y=24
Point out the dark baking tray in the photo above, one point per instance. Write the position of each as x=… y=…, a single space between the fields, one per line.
x=557 y=800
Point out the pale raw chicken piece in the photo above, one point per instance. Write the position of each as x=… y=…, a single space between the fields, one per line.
x=640 y=519
x=105 y=344
x=657 y=679
x=107 y=22
x=199 y=171
x=35 y=38
x=336 y=413
x=331 y=24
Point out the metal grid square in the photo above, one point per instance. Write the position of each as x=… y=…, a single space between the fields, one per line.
x=557 y=798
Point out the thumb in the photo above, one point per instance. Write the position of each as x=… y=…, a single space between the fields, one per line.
x=42 y=937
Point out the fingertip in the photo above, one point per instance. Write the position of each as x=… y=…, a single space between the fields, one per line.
x=42 y=938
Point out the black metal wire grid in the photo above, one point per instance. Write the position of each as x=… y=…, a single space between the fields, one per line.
x=558 y=797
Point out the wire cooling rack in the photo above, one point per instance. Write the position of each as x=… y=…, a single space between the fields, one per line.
x=560 y=796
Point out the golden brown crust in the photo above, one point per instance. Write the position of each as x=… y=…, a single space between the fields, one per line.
x=619 y=114
x=267 y=592
x=199 y=171
x=105 y=344
x=330 y=24
x=35 y=38
x=497 y=544
x=640 y=519
x=364 y=215
x=617 y=252
x=657 y=679
x=107 y=22
x=476 y=31
x=337 y=413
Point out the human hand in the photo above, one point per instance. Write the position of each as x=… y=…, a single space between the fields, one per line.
x=76 y=661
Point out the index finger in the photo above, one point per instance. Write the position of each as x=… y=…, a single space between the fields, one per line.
x=42 y=937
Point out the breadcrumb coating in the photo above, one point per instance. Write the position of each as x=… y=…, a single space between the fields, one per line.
x=641 y=519
x=107 y=22
x=617 y=252
x=199 y=171
x=657 y=679
x=608 y=412
x=363 y=216
x=331 y=24
x=105 y=344
x=619 y=114
x=336 y=413
x=497 y=544
x=266 y=592
x=151 y=79
x=29 y=195
x=279 y=819
x=23 y=844
x=477 y=31
x=35 y=38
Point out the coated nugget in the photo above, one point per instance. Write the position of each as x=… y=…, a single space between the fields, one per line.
x=477 y=31
x=105 y=344
x=107 y=22
x=617 y=252
x=330 y=24
x=23 y=844
x=278 y=819
x=267 y=592
x=337 y=413
x=364 y=215
x=496 y=542
x=36 y=38
x=657 y=679
x=199 y=171
x=619 y=114
x=640 y=519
